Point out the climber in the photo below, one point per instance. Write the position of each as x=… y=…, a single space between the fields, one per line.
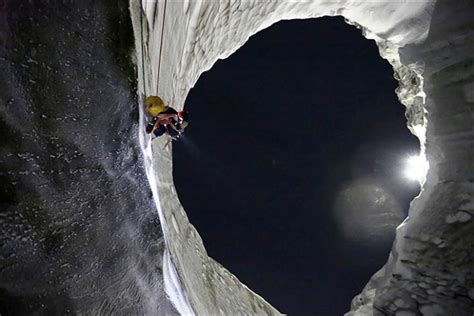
x=165 y=119
x=169 y=121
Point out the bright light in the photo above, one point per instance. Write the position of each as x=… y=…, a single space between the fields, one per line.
x=415 y=168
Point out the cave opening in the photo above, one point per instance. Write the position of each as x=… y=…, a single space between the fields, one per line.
x=291 y=169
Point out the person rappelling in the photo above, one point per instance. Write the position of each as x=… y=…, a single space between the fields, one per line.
x=164 y=119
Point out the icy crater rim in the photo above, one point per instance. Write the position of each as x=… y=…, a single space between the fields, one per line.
x=184 y=245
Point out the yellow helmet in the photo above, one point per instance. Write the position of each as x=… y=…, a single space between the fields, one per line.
x=154 y=105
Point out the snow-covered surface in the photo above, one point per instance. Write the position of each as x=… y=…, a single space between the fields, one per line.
x=430 y=268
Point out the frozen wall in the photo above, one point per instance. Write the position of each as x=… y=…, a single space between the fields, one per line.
x=429 y=45
x=79 y=233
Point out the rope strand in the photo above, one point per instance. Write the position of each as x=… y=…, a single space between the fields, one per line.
x=143 y=56
x=161 y=49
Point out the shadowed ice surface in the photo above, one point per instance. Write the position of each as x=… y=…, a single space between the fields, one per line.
x=80 y=233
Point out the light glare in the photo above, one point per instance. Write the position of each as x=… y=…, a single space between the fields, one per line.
x=415 y=168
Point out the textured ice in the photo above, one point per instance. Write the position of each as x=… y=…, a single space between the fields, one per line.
x=79 y=233
x=429 y=44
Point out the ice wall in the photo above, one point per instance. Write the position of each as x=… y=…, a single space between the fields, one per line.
x=79 y=233
x=429 y=269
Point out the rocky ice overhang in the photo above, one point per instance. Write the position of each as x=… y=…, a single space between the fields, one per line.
x=430 y=270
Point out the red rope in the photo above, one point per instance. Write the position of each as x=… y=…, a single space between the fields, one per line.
x=161 y=49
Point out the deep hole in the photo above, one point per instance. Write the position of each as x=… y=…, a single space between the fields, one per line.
x=277 y=131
